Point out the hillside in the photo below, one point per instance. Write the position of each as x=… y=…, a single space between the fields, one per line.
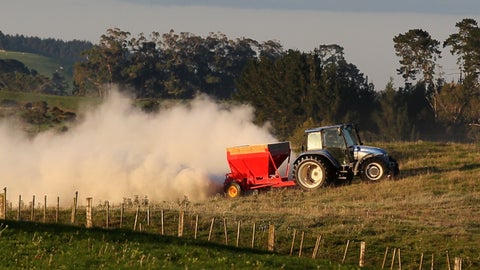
x=44 y=65
x=430 y=210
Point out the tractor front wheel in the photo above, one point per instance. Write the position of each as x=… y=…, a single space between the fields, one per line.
x=233 y=190
x=373 y=170
x=311 y=173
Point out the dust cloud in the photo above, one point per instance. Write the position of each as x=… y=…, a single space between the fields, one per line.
x=118 y=152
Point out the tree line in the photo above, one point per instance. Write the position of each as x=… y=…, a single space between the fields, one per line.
x=291 y=89
x=168 y=65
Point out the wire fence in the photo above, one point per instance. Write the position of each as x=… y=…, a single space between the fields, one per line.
x=231 y=231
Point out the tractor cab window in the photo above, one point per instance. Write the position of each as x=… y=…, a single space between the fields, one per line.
x=334 y=143
x=351 y=136
x=333 y=138
x=314 y=141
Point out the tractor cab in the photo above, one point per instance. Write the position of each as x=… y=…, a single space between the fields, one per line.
x=339 y=141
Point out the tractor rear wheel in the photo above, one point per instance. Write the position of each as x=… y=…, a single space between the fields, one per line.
x=311 y=173
x=233 y=190
x=373 y=169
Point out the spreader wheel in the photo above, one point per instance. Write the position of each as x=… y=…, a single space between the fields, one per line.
x=233 y=190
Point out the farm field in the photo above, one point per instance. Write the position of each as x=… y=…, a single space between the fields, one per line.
x=428 y=215
x=431 y=212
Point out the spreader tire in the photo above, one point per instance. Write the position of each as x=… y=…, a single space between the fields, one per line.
x=374 y=169
x=310 y=173
x=233 y=190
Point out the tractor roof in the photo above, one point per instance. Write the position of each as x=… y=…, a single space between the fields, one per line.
x=326 y=127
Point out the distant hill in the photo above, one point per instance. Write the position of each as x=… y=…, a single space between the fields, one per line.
x=46 y=56
x=43 y=65
x=67 y=51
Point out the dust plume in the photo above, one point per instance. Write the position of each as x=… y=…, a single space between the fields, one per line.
x=118 y=151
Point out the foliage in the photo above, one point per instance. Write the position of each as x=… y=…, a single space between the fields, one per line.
x=466 y=45
x=169 y=65
x=321 y=86
x=418 y=52
x=449 y=110
x=392 y=118
x=286 y=88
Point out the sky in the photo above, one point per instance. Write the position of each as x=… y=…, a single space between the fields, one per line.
x=365 y=28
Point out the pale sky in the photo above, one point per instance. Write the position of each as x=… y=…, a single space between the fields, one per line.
x=365 y=28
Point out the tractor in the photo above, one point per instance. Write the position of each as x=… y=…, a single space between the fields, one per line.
x=330 y=155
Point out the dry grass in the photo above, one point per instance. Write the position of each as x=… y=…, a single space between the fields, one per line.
x=431 y=208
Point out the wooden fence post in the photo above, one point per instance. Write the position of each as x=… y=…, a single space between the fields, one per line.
x=393 y=257
x=148 y=215
x=211 y=229
x=181 y=215
x=420 y=267
x=458 y=264
x=89 y=223
x=196 y=227
x=136 y=218
x=57 y=210
x=385 y=258
x=19 y=207
x=399 y=260
x=161 y=222
x=448 y=261
x=253 y=235
x=433 y=262
x=361 y=262
x=45 y=209
x=271 y=237
x=317 y=245
x=3 y=203
x=239 y=222
x=293 y=241
x=122 y=212
x=74 y=208
x=225 y=230
x=32 y=209
x=301 y=245
x=107 y=218
x=345 y=251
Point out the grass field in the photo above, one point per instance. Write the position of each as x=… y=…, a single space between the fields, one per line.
x=28 y=245
x=432 y=208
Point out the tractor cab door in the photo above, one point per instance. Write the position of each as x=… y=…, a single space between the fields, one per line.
x=334 y=143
